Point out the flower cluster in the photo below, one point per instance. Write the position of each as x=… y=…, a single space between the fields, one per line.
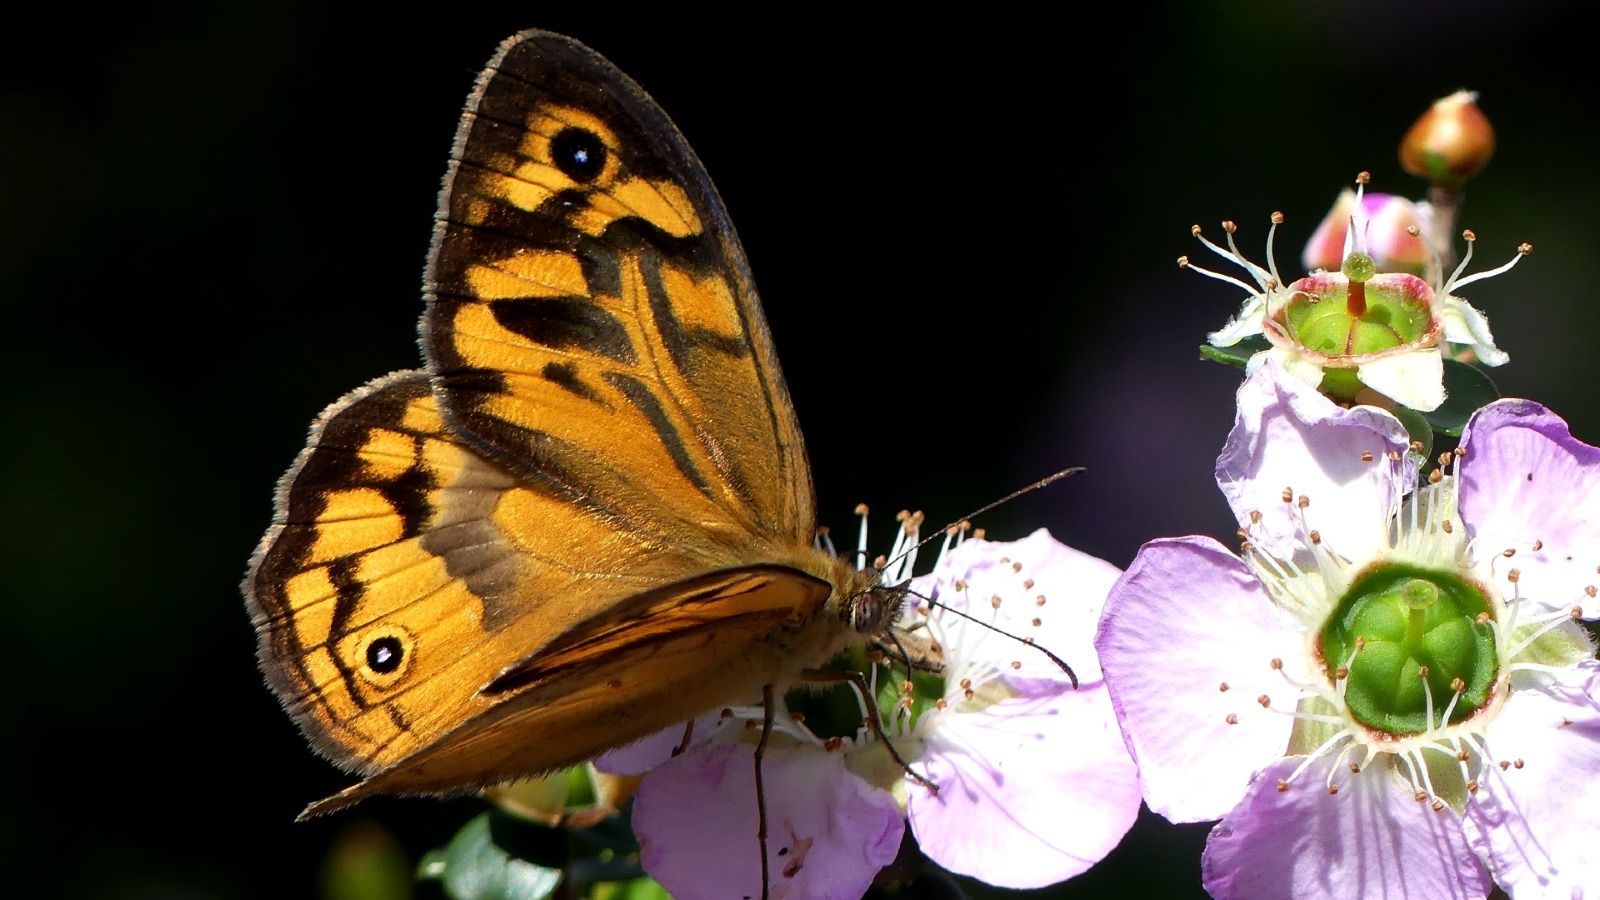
x=1386 y=689
x=980 y=766
x=1371 y=330
x=1390 y=688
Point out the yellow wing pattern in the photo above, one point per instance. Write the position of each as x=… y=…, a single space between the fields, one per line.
x=591 y=322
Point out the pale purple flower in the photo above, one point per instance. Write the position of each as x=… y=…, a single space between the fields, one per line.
x=1035 y=785
x=695 y=814
x=829 y=831
x=1034 y=782
x=1216 y=662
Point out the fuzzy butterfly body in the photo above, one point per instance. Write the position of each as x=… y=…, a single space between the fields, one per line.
x=590 y=516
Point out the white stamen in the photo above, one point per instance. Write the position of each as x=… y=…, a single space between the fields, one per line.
x=1309 y=717
x=1218 y=276
x=1306 y=689
x=1338 y=761
x=1453 y=284
x=1461 y=764
x=1231 y=257
x=1262 y=276
x=1555 y=620
x=1444 y=720
x=1418 y=774
x=1316 y=754
x=1462 y=266
x=826 y=542
x=1427 y=699
x=861 y=538
x=1272 y=263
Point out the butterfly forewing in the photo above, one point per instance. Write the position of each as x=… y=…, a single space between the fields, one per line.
x=591 y=322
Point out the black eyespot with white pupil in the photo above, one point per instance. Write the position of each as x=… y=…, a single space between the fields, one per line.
x=384 y=655
x=579 y=154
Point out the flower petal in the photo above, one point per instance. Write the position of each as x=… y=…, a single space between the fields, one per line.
x=1526 y=482
x=829 y=832
x=650 y=751
x=1414 y=379
x=1246 y=323
x=1307 y=370
x=1186 y=619
x=1464 y=324
x=1371 y=840
x=1013 y=585
x=1533 y=822
x=1032 y=791
x=1286 y=435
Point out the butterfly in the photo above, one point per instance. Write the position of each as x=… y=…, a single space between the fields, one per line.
x=590 y=515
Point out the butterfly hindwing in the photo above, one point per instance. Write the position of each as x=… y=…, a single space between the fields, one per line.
x=406 y=572
x=675 y=648
x=591 y=319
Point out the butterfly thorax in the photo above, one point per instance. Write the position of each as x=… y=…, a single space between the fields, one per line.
x=849 y=614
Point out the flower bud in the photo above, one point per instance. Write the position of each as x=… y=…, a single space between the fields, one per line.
x=1450 y=143
x=1387 y=220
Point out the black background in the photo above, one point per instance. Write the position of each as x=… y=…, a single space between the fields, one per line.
x=213 y=221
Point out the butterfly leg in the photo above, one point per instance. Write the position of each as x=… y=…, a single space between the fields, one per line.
x=768 y=704
x=874 y=718
x=688 y=735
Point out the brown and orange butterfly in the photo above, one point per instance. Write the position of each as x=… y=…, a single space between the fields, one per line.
x=590 y=515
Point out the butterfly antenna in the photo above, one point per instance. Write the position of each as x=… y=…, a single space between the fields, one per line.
x=945 y=531
x=1071 y=675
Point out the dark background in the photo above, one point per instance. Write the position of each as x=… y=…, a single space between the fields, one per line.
x=213 y=222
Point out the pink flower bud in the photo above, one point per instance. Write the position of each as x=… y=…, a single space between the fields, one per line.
x=1387 y=221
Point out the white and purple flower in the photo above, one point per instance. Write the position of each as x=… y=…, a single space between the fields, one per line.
x=1034 y=784
x=1370 y=325
x=1386 y=694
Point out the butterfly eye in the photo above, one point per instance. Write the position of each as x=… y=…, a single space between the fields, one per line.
x=579 y=154
x=868 y=611
x=385 y=654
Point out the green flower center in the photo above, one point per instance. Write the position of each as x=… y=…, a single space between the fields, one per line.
x=1406 y=632
x=1355 y=315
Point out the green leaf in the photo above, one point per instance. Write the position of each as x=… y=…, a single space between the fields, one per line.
x=1467 y=390
x=1236 y=355
x=1417 y=426
x=485 y=862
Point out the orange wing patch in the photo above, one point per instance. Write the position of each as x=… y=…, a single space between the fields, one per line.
x=696 y=645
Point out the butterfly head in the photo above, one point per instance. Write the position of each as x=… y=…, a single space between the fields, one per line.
x=872 y=609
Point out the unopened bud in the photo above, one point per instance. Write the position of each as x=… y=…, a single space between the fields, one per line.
x=1450 y=143
x=1387 y=221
